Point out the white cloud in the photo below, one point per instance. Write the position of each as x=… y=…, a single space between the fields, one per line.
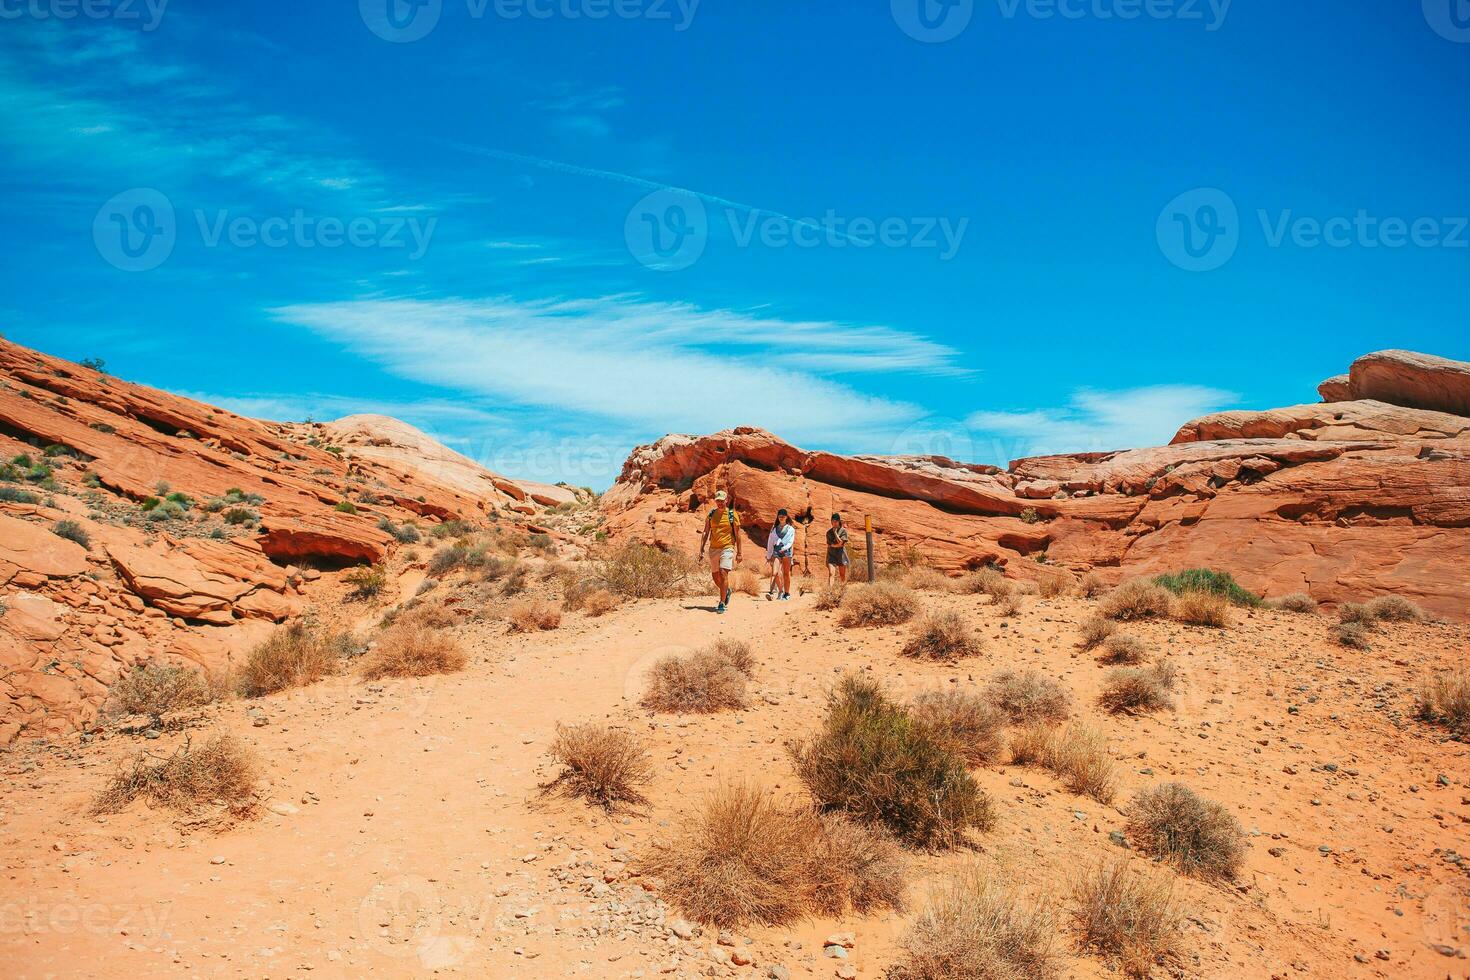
x=1097 y=421
x=662 y=366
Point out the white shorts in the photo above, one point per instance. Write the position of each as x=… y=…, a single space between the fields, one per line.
x=722 y=560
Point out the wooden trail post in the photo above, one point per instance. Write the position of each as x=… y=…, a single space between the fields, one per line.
x=868 y=529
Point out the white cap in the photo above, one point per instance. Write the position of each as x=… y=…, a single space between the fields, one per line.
x=719 y=495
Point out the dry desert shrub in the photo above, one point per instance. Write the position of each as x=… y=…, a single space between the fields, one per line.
x=223 y=768
x=1355 y=612
x=636 y=570
x=970 y=724
x=922 y=578
x=976 y=927
x=737 y=653
x=1444 y=698
x=1395 y=609
x=1096 y=629
x=1297 y=602
x=532 y=615
x=1353 y=635
x=830 y=597
x=1076 y=755
x=748 y=857
x=702 y=682
x=1202 y=609
x=1027 y=696
x=986 y=581
x=856 y=868
x=1091 y=585
x=1128 y=917
x=602 y=765
x=878 y=604
x=1137 y=689
x=878 y=763
x=745 y=582
x=410 y=649
x=1124 y=648
x=157 y=689
x=1054 y=586
x=1137 y=599
x=599 y=602
x=1008 y=605
x=1198 y=836
x=293 y=656
x=942 y=636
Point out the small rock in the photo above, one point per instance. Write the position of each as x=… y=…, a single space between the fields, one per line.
x=835 y=952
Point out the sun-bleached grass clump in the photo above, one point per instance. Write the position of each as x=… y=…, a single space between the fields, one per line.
x=703 y=682
x=1395 y=609
x=1095 y=630
x=971 y=725
x=878 y=763
x=1444 y=699
x=1296 y=602
x=1054 y=586
x=976 y=926
x=943 y=636
x=158 y=689
x=1124 y=648
x=223 y=769
x=1075 y=754
x=1137 y=690
x=599 y=602
x=1137 y=599
x=1128 y=917
x=830 y=597
x=986 y=581
x=1353 y=635
x=1198 y=836
x=636 y=570
x=533 y=615
x=923 y=578
x=1091 y=585
x=749 y=857
x=1027 y=695
x=1203 y=609
x=605 y=766
x=292 y=656
x=412 y=649
x=878 y=604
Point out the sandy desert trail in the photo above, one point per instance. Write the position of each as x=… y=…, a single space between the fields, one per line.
x=404 y=835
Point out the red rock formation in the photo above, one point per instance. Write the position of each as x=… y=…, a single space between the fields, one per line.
x=1343 y=500
x=192 y=587
x=1413 y=380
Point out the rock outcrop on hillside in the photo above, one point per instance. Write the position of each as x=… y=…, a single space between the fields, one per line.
x=259 y=508
x=1343 y=500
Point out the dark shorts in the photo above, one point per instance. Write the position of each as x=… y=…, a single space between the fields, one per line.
x=837 y=556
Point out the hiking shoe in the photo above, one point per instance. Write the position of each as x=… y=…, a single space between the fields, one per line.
x=720 y=608
x=785 y=595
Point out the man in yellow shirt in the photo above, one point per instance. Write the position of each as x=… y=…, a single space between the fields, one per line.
x=722 y=535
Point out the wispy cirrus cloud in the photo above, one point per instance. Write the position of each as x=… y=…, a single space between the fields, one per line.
x=652 y=365
x=1099 y=421
x=104 y=101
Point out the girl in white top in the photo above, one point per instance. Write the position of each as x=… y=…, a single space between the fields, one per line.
x=779 y=547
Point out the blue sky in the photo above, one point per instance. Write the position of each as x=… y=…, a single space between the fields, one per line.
x=548 y=230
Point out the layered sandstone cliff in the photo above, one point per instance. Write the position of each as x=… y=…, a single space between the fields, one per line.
x=1342 y=500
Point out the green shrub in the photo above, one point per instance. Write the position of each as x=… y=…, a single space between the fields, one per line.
x=72 y=531
x=345 y=507
x=453 y=556
x=367 y=581
x=238 y=515
x=1208 y=580
x=878 y=763
x=11 y=495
